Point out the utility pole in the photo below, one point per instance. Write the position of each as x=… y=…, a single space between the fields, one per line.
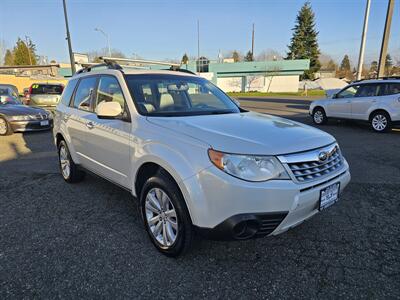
x=29 y=50
x=363 y=37
x=198 y=46
x=71 y=54
x=385 y=39
x=252 y=43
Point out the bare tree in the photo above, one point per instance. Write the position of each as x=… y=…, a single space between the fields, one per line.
x=250 y=81
x=271 y=73
x=268 y=54
x=95 y=54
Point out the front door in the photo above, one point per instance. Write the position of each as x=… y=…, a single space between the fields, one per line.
x=366 y=97
x=108 y=140
x=340 y=105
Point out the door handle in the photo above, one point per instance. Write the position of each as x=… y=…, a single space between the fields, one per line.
x=90 y=125
x=374 y=101
x=348 y=101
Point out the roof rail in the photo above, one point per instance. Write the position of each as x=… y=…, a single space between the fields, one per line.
x=378 y=78
x=88 y=67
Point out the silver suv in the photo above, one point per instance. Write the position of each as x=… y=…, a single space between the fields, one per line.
x=375 y=101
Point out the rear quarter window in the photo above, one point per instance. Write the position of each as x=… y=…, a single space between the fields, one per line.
x=68 y=91
x=50 y=89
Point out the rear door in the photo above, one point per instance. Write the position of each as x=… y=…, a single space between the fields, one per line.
x=340 y=106
x=364 y=99
x=81 y=108
x=108 y=140
x=45 y=94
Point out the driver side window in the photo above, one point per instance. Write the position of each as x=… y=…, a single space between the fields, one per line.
x=349 y=92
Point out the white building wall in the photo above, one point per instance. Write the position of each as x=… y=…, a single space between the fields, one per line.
x=274 y=84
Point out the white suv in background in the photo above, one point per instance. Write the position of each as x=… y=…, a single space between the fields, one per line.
x=374 y=101
x=195 y=160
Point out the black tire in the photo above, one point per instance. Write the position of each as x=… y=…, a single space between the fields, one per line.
x=74 y=175
x=184 y=232
x=8 y=129
x=380 y=122
x=319 y=117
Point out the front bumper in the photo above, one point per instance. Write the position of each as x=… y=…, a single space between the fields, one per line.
x=224 y=207
x=23 y=126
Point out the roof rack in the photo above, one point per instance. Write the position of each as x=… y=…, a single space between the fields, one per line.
x=116 y=62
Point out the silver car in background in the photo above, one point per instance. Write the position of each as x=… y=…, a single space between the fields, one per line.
x=44 y=95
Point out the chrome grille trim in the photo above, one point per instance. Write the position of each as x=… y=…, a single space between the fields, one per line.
x=315 y=164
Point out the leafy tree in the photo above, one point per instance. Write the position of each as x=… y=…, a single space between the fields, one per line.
x=249 y=56
x=374 y=67
x=185 y=59
x=9 y=58
x=388 y=65
x=24 y=53
x=345 y=64
x=304 y=44
x=235 y=56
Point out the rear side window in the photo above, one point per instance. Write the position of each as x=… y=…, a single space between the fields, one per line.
x=391 y=89
x=49 y=89
x=84 y=93
x=69 y=90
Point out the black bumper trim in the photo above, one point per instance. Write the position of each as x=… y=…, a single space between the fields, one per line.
x=244 y=226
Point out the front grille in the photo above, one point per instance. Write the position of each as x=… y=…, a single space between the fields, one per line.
x=268 y=223
x=316 y=168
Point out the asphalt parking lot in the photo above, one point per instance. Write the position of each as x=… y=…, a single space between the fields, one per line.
x=86 y=240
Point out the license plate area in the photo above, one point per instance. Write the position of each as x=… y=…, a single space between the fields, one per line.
x=329 y=195
x=44 y=123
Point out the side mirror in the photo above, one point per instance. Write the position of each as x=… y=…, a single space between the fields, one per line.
x=334 y=96
x=108 y=110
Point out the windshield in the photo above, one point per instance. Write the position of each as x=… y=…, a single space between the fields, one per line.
x=172 y=95
x=52 y=89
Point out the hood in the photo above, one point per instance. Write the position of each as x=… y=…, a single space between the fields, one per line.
x=248 y=133
x=14 y=110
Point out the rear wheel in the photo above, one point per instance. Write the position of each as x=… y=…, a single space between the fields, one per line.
x=380 y=121
x=165 y=215
x=319 y=116
x=68 y=168
x=5 y=128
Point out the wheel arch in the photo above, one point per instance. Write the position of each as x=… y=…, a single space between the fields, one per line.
x=378 y=110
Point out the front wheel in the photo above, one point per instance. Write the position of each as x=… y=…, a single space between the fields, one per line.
x=5 y=128
x=165 y=215
x=319 y=116
x=380 y=122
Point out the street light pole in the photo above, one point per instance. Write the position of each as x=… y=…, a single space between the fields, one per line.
x=107 y=38
x=71 y=54
x=363 y=36
x=385 y=39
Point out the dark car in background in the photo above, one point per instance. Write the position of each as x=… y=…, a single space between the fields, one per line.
x=45 y=95
x=16 y=117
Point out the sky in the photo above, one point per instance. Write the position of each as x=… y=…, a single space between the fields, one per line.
x=156 y=29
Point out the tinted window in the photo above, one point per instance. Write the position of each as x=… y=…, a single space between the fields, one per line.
x=367 y=90
x=391 y=89
x=51 y=89
x=110 y=91
x=84 y=93
x=69 y=90
x=349 y=92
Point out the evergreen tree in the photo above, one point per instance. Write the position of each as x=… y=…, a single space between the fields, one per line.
x=388 y=65
x=235 y=56
x=249 y=56
x=304 y=44
x=345 y=64
x=24 y=53
x=9 y=58
x=185 y=59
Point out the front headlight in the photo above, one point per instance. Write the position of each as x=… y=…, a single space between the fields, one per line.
x=49 y=115
x=248 y=167
x=21 y=118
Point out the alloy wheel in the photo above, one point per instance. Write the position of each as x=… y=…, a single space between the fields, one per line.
x=64 y=162
x=3 y=126
x=318 y=117
x=379 y=122
x=161 y=217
